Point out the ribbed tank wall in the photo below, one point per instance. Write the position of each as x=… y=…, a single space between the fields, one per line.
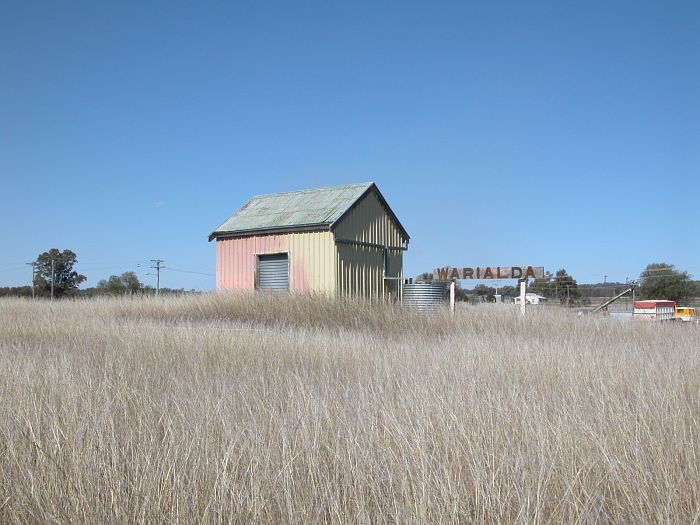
x=425 y=297
x=360 y=269
x=311 y=260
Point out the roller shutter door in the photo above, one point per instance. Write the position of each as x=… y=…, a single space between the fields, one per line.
x=273 y=272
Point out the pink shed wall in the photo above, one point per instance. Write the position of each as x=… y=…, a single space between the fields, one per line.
x=311 y=260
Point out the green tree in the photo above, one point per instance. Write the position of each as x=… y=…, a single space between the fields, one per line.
x=509 y=291
x=663 y=281
x=543 y=286
x=485 y=293
x=556 y=286
x=126 y=283
x=566 y=288
x=460 y=293
x=65 y=279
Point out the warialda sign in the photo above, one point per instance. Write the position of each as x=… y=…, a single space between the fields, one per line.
x=488 y=272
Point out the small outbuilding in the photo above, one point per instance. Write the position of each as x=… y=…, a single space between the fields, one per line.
x=338 y=241
x=531 y=298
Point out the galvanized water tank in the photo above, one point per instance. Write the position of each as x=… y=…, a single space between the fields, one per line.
x=426 y=297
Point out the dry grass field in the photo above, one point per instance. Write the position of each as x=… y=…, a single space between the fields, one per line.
x=240 y=409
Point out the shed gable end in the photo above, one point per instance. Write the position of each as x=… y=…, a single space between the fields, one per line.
x=369 y=220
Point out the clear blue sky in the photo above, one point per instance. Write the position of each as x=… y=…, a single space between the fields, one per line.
x=562 y=134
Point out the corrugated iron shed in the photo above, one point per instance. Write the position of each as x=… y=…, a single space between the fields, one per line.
x=338 y=241
x=320 y=208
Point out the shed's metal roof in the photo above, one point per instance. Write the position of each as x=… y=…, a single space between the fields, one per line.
x=299 y=210
x=296 y=210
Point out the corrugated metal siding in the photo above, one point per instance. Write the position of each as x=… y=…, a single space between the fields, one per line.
x=360 y=270
x=316 y=262
x=311 y=260
x=273 y=272
x=395 y=270
x=368 y=221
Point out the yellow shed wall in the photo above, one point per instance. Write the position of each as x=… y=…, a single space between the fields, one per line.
x=360 y=270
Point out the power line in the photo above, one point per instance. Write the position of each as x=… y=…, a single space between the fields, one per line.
x=111 y=263
x=11 y=269
x=191 y=271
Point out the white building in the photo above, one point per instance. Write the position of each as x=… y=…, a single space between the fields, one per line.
x=531 y=298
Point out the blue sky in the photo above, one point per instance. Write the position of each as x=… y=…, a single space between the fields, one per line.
x=559 y=134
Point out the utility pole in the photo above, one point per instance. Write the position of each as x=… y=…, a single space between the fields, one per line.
x=157 y=265
x=567 y=295
x=53 y=273
x=605 y=290
x=33 y=264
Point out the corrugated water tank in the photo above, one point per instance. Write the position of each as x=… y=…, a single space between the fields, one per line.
x=426 y=297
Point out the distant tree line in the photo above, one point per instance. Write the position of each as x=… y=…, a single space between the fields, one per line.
x=54 y=276
x=657 y=281
x=95 y=291
x=16 y=291
x=547 y=286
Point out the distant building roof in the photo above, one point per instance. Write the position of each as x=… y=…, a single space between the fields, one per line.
x=653 y=303
x=320 y=208
x=533 y=295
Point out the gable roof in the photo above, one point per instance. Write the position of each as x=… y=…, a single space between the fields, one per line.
x=316 y=209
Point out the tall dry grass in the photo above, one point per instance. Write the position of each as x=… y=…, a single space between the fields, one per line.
x=248 y=409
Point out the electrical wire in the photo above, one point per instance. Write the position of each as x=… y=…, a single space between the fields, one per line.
x=188 y=271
